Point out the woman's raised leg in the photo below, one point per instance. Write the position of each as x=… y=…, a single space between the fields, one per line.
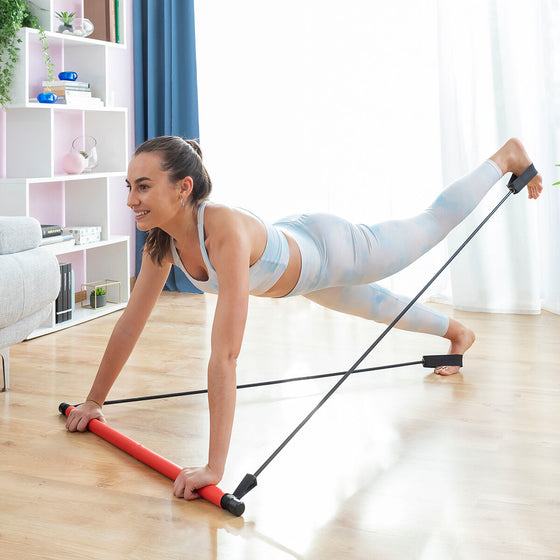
x=383 y=249
x=354 y=257
x=393 y=245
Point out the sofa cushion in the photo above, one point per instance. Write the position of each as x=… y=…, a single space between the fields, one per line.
x=23 y=328
x=29 y=281
x=18 y=234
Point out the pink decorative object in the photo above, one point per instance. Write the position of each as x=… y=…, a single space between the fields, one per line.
x=74 y=163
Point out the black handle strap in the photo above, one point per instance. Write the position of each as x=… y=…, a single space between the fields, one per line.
x=443 y=360
x=516 y=183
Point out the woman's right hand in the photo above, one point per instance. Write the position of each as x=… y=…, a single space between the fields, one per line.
x=79 y=417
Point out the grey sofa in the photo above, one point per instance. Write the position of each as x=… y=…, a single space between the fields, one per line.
x=29 y=283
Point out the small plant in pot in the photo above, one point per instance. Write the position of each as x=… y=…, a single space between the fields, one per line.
x=98 y=298
x=66 y=18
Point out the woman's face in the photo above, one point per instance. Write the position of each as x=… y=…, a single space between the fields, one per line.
x=154 y=199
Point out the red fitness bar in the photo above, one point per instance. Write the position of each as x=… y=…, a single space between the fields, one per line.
x=211 y=493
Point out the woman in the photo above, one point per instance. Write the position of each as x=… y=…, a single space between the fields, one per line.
x=322 y=257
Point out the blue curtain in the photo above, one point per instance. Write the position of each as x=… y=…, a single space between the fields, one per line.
x=165 y=87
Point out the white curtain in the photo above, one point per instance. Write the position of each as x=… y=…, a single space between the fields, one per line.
x=367 y=108
x=499 y=77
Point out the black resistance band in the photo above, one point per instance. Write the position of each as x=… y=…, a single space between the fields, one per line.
x=514 y=185
x=427 y=361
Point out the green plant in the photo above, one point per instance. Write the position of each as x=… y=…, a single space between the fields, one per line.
x=558 y=182
x=11 y=19
x=98 y=292
x=47 y=56
x=15 y=14
x=65 y=17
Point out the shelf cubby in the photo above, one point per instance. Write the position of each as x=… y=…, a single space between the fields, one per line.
x=39 y=135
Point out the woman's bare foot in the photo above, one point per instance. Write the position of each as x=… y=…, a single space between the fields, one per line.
x=512 y=158
x=461 y=339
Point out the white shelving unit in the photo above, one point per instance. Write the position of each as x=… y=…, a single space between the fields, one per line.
x=39 y=135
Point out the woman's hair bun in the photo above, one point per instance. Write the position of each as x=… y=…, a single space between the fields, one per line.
x=195 y=146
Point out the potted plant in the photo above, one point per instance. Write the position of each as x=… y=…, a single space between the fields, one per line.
x=98 y=298
x=66 y=18
x=15 y=14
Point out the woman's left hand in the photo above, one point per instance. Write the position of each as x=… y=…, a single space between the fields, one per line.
x=190 y=479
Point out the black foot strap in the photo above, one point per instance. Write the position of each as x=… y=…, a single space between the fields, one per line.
x=443 y=360
x=516 y=183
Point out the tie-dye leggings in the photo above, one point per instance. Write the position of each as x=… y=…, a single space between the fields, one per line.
x=342 y=261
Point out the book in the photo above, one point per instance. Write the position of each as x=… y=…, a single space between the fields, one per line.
x=69 y=292
x=59 y=243
x=93 y=103
x=61 y=247
x=48 y=230
x=64 y=311
x=117 y=22
x=58 y=302
x=72 y=94
x=102 y=14
x=72 y=292
x=52 y=239
x=112 y=21
x=62 y=83
x=63 y=304
x=61 y=90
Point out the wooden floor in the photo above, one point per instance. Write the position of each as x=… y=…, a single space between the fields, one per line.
x=399 y=464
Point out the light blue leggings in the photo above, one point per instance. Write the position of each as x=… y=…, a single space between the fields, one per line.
x=342 y=261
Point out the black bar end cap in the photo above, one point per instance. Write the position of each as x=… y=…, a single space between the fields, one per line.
x=63 y=407
x=232 y=504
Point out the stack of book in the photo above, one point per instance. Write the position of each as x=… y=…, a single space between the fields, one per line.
x=54 y=238
x=65 y=301
x=72 y=93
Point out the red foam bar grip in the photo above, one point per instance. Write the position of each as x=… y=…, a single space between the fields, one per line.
x=138 y=451
x=161 y=464
x=212 y=494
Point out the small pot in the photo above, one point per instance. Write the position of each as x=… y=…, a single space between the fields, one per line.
x=99 y=301
x=64 y=27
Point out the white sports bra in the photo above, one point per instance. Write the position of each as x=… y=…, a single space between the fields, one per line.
x=263 y=274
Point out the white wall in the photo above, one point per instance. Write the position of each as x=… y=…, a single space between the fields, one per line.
x=320 y=106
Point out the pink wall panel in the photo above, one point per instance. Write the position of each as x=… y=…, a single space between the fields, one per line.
x=67 y=126
x=77 y=259
x=46 y=202
x=37 y=68
x=2 y=144
x=122 y=218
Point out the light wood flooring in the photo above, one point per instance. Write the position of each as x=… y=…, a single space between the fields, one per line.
x=399 y=464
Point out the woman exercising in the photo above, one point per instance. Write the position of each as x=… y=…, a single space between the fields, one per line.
x=233 y=253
